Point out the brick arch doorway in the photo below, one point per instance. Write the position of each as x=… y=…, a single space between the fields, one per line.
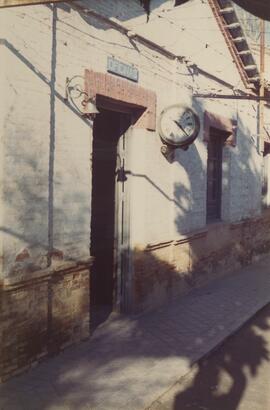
x=110 y=276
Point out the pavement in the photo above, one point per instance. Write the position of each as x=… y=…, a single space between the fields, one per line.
x=131 y=361
x=233 y=377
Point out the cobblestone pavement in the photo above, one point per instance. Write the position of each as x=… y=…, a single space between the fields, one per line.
x=233 y=377
x=130 y=361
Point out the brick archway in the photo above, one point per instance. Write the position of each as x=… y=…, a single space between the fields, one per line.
x=123 y=91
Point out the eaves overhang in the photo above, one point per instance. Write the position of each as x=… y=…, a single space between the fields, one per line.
x=238 y=46
x=259 y=8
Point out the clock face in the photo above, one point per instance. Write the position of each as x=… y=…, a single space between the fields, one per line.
x=178 y=125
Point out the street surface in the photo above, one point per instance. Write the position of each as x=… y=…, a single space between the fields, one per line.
x=234 y=377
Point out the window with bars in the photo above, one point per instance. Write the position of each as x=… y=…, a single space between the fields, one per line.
x=214 y=174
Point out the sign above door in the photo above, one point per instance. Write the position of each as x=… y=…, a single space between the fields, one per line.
x=122 y=69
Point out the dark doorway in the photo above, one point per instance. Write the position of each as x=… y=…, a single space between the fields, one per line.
x=107 y=169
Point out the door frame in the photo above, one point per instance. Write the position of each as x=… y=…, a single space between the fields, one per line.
x=122 y=251
x=121 y=280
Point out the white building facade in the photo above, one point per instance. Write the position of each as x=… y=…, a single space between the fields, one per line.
x=92 y=212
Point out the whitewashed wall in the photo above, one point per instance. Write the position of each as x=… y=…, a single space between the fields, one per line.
x=46 y=144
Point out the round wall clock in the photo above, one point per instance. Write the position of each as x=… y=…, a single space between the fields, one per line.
x=178 y=125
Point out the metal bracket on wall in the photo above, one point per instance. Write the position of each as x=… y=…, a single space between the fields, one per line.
x=168 y=151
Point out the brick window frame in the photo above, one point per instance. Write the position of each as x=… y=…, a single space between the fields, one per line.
x=222 y=123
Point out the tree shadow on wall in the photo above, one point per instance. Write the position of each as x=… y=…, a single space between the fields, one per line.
x=220 y=383
x=232 y=240
x=30 y=196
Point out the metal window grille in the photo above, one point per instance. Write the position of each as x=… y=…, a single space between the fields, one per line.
x=214 y=174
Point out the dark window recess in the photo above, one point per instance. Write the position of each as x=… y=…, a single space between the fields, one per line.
x=214 y=174
x=265 y=183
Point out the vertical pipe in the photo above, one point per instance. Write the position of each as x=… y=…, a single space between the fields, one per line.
x=50 y=345
x=262 y=69
x=52 y=135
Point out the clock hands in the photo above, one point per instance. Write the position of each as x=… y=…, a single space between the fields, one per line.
x=180 y=126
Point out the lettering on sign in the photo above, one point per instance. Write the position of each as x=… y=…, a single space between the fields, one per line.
x=123 y=70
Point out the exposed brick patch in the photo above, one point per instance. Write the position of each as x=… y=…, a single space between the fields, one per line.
x=41 y=317
x=56 y=254
x=22 y=255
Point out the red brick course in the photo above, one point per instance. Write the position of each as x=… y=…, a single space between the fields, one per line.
x=122 y=90
x=222 y=123
x=41 y=316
